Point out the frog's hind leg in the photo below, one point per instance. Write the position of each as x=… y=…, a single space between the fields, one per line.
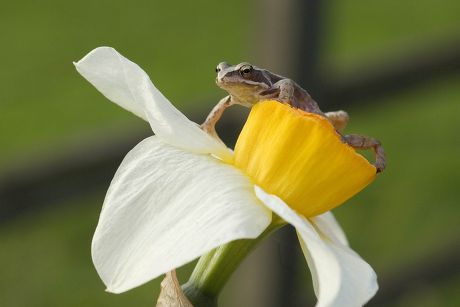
x=364 y=142
x=209 y=124
x=339 y=119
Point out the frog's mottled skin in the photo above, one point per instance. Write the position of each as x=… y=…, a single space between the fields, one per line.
x=247 y=84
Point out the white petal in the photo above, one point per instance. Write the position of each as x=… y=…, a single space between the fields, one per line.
x=126 y=84
x=330 y=227
x=340 y=276
x=164 y=208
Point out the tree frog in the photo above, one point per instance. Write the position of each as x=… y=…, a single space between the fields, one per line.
x=247 y=84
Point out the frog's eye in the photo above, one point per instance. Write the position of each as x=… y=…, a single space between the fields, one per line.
x=246 y=70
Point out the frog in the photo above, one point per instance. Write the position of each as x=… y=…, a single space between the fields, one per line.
x=247 y=84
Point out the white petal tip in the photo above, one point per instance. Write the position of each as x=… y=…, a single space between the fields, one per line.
x=117 y=289
x=95 y=51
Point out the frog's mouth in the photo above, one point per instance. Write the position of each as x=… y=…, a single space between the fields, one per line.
x=245 y=91
x=228 y=83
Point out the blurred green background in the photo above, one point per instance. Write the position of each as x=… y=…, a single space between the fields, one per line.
x=410 y=212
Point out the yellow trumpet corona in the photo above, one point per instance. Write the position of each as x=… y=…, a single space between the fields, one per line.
x=300 y=157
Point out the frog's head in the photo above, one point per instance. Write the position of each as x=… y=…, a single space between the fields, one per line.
x=243 y=79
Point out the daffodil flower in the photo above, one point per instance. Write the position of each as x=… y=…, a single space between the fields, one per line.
x=181 y=193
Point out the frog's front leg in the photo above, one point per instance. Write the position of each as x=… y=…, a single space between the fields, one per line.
x=364 y=142
x=290 y=92
x=209 y=124
x=339 y=119
x=286 y=92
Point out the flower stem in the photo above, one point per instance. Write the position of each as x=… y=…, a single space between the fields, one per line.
x=213 y=269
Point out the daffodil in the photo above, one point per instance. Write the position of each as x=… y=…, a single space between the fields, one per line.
x=182 y=193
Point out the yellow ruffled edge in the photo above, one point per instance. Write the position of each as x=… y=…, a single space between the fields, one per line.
x=332 y=191
x=328 y=125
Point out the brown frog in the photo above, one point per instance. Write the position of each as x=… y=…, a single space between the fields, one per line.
x=247 y=84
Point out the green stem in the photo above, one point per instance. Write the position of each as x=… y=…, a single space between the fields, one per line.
x=213 y=269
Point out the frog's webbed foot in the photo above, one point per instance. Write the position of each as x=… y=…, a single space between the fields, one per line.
x=364 y=142
x=339 y=119
x=209 y=124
